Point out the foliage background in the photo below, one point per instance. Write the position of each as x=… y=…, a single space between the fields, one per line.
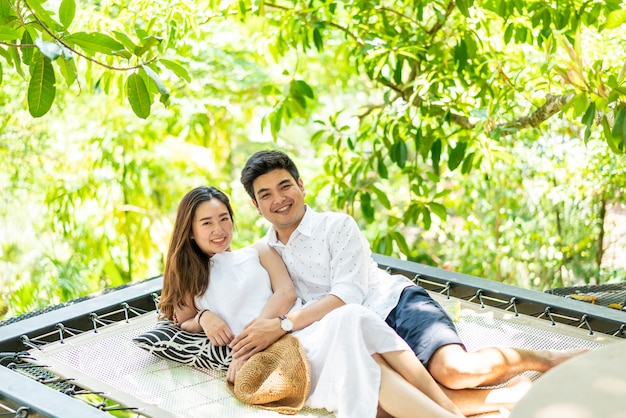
x=427 y=121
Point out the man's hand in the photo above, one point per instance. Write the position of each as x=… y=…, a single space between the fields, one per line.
x=216 y=330
x=234 y=367
x=255 y=337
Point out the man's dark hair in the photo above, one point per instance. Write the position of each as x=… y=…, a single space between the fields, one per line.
x=262 y=162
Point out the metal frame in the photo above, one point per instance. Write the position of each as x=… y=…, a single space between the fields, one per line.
x=25 y=395
x=529 y=302
x=29 y=398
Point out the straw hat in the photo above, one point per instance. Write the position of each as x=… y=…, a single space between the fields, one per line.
x=277 y=378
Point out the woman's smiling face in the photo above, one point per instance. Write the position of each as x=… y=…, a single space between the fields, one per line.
x=212 y=227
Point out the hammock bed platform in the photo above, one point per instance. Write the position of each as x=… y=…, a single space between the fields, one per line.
x=78 y=359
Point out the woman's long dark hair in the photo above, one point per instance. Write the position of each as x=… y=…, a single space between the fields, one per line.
x=187 y=266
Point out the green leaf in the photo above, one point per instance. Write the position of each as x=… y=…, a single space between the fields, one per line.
x=8 y=34
x=439 y=210
x=298 y=103
x=366 y=207
x=611 y=140
x=589 y=114
x=148 y=43
x=382 y=169
x=270 y=89
x=426 y=218
x=67 y=68
x=317 y=40
x=67 y=11
x=462 y=5
x=299 y=87
x=397 y=71
x=96 y=42
x=138 y=95
x=618 y=126
x=433 y=177
x=49 y=49
x=508 y=33
x=0 y=73
x=401 y=241
x=163 y=91
x=399 y=153
x=468 y=163
x=460 y=54
x=27 y=53
x=125 y=40
x=176 y=68
x=6 y=9
x=435 y=151
x=615 y=18
x=41 y=13
x=456 y=155
x=275 y=118
x=382 y=197
x=41 y=89
x=588 y=118
x=15 y=55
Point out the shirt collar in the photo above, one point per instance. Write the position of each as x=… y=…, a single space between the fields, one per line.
x=305 y=227
x=306 y=224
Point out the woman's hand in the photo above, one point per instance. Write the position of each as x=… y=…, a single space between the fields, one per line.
x=234 y=368
x=216 y=330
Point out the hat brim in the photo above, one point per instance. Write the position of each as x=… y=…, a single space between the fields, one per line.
x=277 y=378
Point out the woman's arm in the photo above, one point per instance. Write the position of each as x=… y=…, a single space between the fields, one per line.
x=265 y=329
x=185 y=315
x=192 y=320
x=284 y=293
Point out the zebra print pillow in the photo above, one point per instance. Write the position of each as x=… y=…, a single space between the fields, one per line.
x=168 y=341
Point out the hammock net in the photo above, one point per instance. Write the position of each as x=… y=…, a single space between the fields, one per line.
x=107 y=361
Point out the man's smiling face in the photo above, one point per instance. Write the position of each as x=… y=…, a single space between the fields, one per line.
x=280 y=200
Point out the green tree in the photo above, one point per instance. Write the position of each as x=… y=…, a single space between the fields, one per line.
x=406 y=105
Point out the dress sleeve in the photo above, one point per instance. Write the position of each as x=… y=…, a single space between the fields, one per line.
x=349 y=253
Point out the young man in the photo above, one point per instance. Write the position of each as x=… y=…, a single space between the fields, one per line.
x=330 y=263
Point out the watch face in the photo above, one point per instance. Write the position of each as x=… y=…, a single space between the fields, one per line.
x=286 y=324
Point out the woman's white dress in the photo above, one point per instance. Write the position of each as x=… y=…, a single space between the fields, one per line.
x=345 y=379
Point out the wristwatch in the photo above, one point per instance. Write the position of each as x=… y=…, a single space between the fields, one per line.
x=286 y=324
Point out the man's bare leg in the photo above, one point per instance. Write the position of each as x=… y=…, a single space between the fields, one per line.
x=455 y=368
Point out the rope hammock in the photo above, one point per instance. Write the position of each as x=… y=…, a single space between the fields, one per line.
x=104 y=368
x=105 y=360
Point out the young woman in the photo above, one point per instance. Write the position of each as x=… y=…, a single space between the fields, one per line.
x=358 y=363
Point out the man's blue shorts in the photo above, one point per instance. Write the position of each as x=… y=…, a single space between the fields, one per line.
x=422 y=323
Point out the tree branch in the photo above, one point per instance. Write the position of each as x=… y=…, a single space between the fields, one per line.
x=315 y=19
x=553 y=105
x=432 y=31
x=88 y=58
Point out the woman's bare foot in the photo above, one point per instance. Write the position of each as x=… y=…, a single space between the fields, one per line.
x=555 y=357
x=511 y=393
x=381 y=413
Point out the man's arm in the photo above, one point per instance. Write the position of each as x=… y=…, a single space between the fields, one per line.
x=315 y=311
x=262 y=332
